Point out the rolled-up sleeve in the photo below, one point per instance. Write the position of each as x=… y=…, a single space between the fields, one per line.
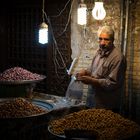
x=116 y=76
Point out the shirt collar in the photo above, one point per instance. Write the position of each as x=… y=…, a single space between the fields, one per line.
x=105 y=52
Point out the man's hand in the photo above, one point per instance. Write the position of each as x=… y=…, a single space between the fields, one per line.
x=88 y=80
x=84 y=79
x=82 y=73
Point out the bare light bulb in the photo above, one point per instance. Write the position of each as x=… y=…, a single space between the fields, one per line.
x=43 y=33
x=82 y=14
x=98 y=11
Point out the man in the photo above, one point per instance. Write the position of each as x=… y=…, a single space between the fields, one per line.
x=106 y=74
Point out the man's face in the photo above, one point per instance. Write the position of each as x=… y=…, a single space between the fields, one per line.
x=105 y=41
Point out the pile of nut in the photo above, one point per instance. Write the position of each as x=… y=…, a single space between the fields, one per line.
x=107 y=124
x=18 y=108
x=18 y=74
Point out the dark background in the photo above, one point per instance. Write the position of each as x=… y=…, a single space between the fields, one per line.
x=19 y=24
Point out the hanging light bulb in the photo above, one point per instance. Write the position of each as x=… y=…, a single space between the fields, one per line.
x=43 y=29
x=98 y=11
x=82 y=14
x=43 y=33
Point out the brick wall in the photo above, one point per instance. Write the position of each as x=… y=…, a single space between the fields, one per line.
x=84 y=40
x=84 y=43
x=133 y=61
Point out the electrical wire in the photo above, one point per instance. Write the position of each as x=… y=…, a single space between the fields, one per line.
x=55 y=51
x=67 y=20
x=55 y=46
x=43 y=10
x=56 y=16
x=61 y=10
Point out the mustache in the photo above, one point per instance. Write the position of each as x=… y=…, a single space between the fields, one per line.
x=103 y=46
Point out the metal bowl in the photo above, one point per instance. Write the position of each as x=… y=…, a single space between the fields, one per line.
x=22 y=88
x=29 y=127
x=42 y=104
x=75 y=134
x=59 y=113
x=22 y=82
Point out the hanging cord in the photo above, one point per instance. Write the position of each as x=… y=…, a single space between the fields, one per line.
x=43 y=12
x=67 y=20
x=61 y=10
x=68 y=16
x=55 y=46
x=56 y=50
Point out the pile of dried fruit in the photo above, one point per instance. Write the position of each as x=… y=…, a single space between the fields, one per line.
x=18 y=108
x=18 y=74
x=108 y=125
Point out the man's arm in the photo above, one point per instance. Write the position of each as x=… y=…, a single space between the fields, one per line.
x=114 y=79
